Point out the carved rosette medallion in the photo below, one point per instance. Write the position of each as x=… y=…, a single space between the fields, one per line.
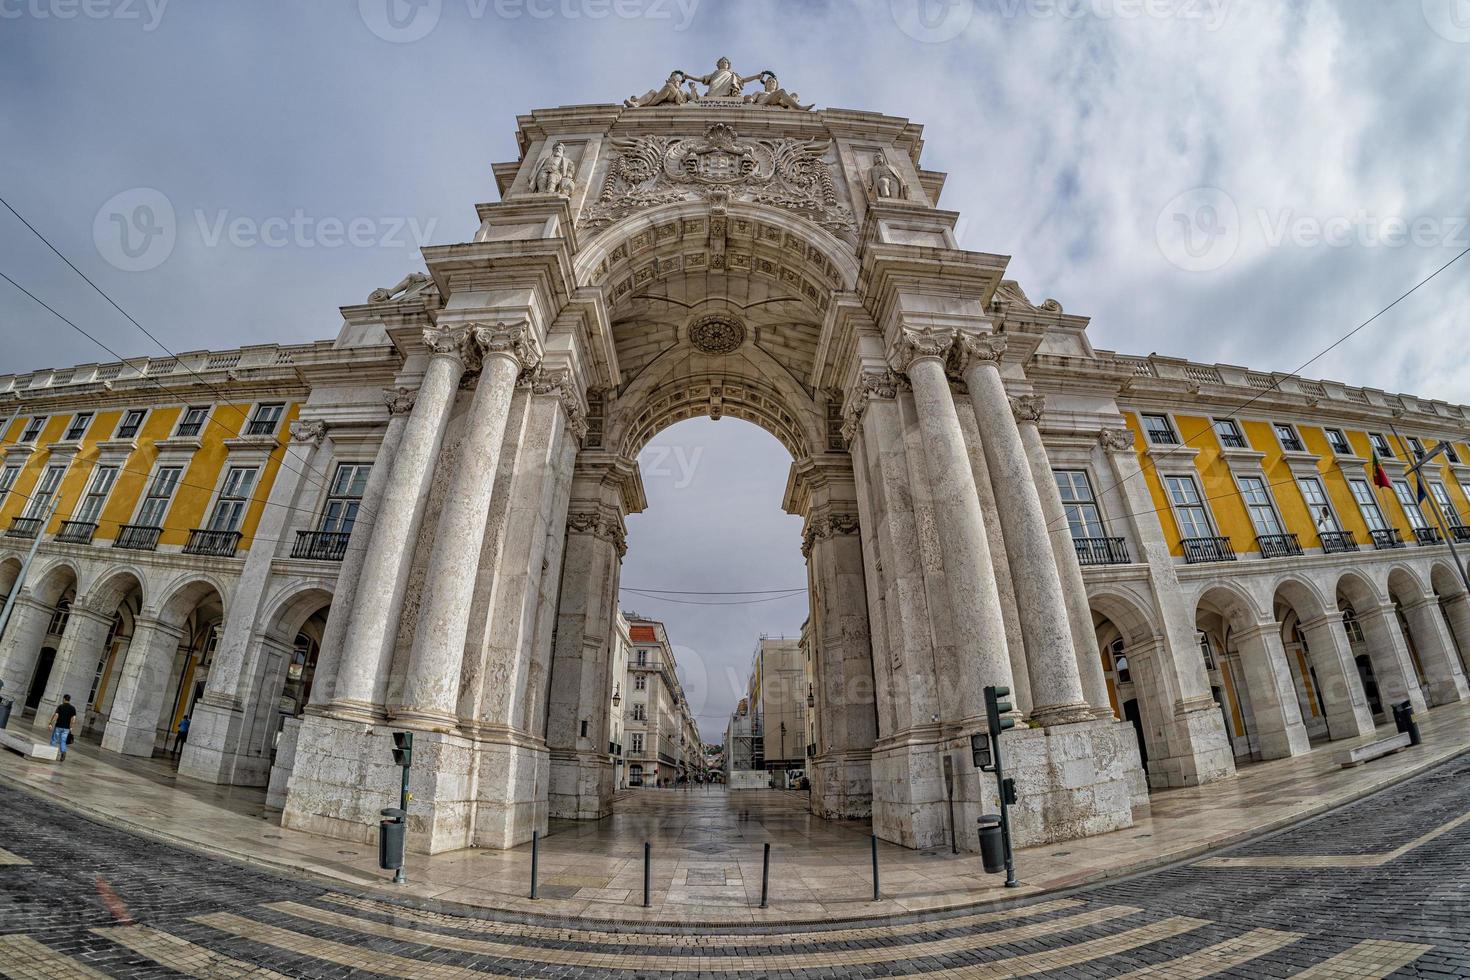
x=1115 y=440
x=399 y=400
x=311 y=431
x=1028 y=408
x=716 y=334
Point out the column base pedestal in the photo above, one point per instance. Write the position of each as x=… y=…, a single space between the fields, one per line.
x=581 y=785
x=842 y=786
x=1196 y=748
x=214 y=751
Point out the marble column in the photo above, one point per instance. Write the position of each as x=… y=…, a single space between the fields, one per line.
x=143 y=687
x=24 y=636
x=968 y=573
x=1393 y=669
x=1074 y=587
x=76 y=661
x=362 y=672
x=1457 y=612
x=1442 y=674
x=1051 y=657
x=431 y=686
x=400 y=402
x=1337 y=677
x=1278 y=718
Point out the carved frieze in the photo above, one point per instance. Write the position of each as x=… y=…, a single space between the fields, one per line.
x=825 y=527
x=869 y=385
x=1028 y=408
x=311 y=431
x=720 y=166
x=399 y=400
x=599 y=525
x=1115 y=440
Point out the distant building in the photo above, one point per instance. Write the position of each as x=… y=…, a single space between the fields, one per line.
x=769 y=728
x=661 y=743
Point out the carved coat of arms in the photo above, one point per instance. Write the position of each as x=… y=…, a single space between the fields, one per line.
x=788 y=173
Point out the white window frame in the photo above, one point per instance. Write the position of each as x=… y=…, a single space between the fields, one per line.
x=82 y=419
x=1450 y=452
x=122 y=423
x=635 y=743
x=1446 y=505
x=1409 y=504
x=1315 y=507
x=1345 y=449
x=1265 y=508
x=1368 y=506
x=1284 y=430
x=1416 y=447
x=640 y=683
x=1379 y=442
x=639 y=711
x=141 y=518
x=1234 y=432
x=1088 y=514
x=339 y=512
x=1199 y=503
x=46 y=488
x=184 y=420
x=276 y=411
x=229 y=496
x=32 y=430
x=99 y=487
x=1172 y=430
x=8 y=476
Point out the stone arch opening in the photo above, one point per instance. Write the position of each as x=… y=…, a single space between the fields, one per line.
x=1128 y=644
x=293 y=639
x=1376 y=643
x=98 y=630
x=1454 y=605
x=1328 y=685
x=1426 y=633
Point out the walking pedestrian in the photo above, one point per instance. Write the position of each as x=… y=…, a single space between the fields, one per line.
x=182 y=736
x=61 y=720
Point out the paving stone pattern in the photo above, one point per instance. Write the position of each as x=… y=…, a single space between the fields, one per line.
x=78 y=899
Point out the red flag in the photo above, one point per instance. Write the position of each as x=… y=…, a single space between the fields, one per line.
x=1380 y=478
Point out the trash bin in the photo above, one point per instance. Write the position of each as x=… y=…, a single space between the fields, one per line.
x=5 y=705
x=390 y=838
x=1403 y=721
x=992 y=844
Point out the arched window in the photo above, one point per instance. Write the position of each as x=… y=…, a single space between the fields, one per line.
x=1120 y=661
x=59 y=617
x=1206 y=650
x=1351 y=626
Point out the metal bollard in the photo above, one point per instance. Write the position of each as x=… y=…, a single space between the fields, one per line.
x=765 y=876
x=874 y=839
x=535 y=853
x=647 y=873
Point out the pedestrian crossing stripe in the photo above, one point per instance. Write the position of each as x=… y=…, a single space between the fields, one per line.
x=22 y=958
x=1368 y=960
x=182 y=956
x=8 y=858
x=1221 y=956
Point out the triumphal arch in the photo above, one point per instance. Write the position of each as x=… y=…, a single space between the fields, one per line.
x=716 y=248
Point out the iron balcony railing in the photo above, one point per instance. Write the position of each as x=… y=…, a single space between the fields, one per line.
x=1460 y=532
x=220 y=544
x=77 y=532
x=24 y=527
x=1233 y=440
x=1278 y=545
x=1198 y=550
x=1334 y=542
x=137 y=537
x=1386 y=538
x=321 y=545
x=1101 y=551
x=261 y=427
x=187 y=429
x=1159 y=438
x=1427 y=536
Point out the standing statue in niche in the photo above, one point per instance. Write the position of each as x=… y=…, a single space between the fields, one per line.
x=556 y=175
x=773 y=95
x=670 y=93
x=883 y=179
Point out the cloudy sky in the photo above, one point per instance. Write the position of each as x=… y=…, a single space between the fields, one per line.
x=1235 y=182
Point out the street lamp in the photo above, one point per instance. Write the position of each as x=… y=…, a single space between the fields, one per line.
x=811 y=697
x=617 y=696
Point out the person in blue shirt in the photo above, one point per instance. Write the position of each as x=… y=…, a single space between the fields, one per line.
x=181 y=737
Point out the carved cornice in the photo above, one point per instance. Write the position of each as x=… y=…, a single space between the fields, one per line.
x=399 y=400
x=825 y=527
x=561 y=384
x=1028 y=408
x=981 y=349
x=921 y=345
x=1115 y=440
x=311 y=431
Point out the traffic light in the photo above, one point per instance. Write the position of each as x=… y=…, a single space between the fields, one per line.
x=1008 y=791
x=995 y=708
x=403 y=749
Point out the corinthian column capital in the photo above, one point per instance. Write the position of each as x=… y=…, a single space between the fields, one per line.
x=452 y=341
x=513 y=340
x=980 y=349
x=869 y=385
x=1028 y=408
x=914 y=346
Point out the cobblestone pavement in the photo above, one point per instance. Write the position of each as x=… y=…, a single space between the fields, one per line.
x=1377 y=889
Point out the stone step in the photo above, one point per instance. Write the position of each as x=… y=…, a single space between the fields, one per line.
x=28 y=748
x=1373 y=750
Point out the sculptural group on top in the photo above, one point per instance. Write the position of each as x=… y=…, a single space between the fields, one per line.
x=723 y=86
